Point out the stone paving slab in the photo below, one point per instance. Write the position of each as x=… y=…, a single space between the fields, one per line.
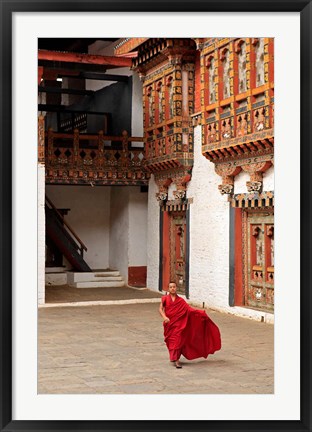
x=120 y=350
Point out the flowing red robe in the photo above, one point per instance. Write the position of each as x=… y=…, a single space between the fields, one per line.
x=190 y=331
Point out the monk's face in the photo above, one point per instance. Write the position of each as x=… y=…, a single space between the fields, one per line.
x=172 y=288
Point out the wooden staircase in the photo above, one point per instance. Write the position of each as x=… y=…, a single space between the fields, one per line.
x=64 y=238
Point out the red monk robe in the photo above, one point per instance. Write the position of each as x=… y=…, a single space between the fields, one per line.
x=190 y=331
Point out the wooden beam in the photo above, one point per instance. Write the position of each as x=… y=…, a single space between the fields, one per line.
x=84 y=58
x=40 y=73
x=96 y=76
x=65 y=91
x=64 y=108
x=72 y=68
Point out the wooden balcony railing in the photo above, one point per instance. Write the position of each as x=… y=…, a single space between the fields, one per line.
x=94 y=156
x=240 y=133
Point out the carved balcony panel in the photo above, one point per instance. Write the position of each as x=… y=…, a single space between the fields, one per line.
x=95 y=158
x=256 y=145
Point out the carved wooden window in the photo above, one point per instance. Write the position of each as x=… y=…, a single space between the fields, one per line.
x=259 y=119
x=242 y=124
x=211 y=132
x=150 y=105
x=170 y=95
x=226 y=74
x=242 y=77
x=226 y=128
x=212 y=86
x=260 y=62
x=150 y=109
x=160 y=101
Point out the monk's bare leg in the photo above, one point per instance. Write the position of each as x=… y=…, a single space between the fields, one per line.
x=178 y=364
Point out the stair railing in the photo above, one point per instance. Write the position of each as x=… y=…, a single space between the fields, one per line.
x=82 y=246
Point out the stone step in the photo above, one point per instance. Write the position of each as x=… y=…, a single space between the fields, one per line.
x=55 y=279
x=73 y=277
x=100 y=284
x=55 y=269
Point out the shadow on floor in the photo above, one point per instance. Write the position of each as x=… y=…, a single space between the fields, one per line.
x=65 y=293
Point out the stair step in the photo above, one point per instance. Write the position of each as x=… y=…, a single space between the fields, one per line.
x=55 y=269
x=107 y=273
x=99 y=284
x=55 y=279
x=73 y=277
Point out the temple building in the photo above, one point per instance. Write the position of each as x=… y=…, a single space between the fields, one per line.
x=156 y=163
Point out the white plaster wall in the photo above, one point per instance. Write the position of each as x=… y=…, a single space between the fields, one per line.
x=152 y=237
x=209 y=233
x=41 y=234
x=89 y=217
x=137 y=228
x=172 y=187
x=240 y=182
x=268 y=180
x=119 y=231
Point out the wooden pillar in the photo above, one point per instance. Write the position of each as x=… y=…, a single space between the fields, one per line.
x=238 y=259
x=41 y=138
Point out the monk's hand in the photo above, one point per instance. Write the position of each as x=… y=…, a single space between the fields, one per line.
x=166 y=320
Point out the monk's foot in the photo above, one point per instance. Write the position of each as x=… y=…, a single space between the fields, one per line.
x=178 y=365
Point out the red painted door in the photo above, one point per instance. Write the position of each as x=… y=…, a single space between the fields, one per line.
x=174 y=250
x=260 y=261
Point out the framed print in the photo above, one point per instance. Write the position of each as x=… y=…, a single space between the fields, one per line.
x=140 y=177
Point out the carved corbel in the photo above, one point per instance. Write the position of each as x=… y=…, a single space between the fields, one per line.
x=141 y=71
x=270 y=231
x=199 y=43
x=208 y=60
x=175 y=59
x=174 y=55
x=238 y=45
x=180 y=194
x=162 y=194
x=256 y=231
x=227 y=173
x=181 y=183
x=222 y=53
x=256 y=171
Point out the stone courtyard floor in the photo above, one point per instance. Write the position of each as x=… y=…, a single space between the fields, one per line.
x=119 y=349
x=65 y=294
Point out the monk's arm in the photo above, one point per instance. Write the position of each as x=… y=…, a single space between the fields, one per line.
x=162 y=312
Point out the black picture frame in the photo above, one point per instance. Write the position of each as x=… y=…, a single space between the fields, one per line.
x=8 y=7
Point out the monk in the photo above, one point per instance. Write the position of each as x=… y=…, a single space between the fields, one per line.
x=187 y=331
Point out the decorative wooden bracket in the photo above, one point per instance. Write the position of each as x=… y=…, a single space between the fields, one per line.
x=227 y=174
x=162 y=194
x=256 y=171
x=181 y=183
x=255 y=231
